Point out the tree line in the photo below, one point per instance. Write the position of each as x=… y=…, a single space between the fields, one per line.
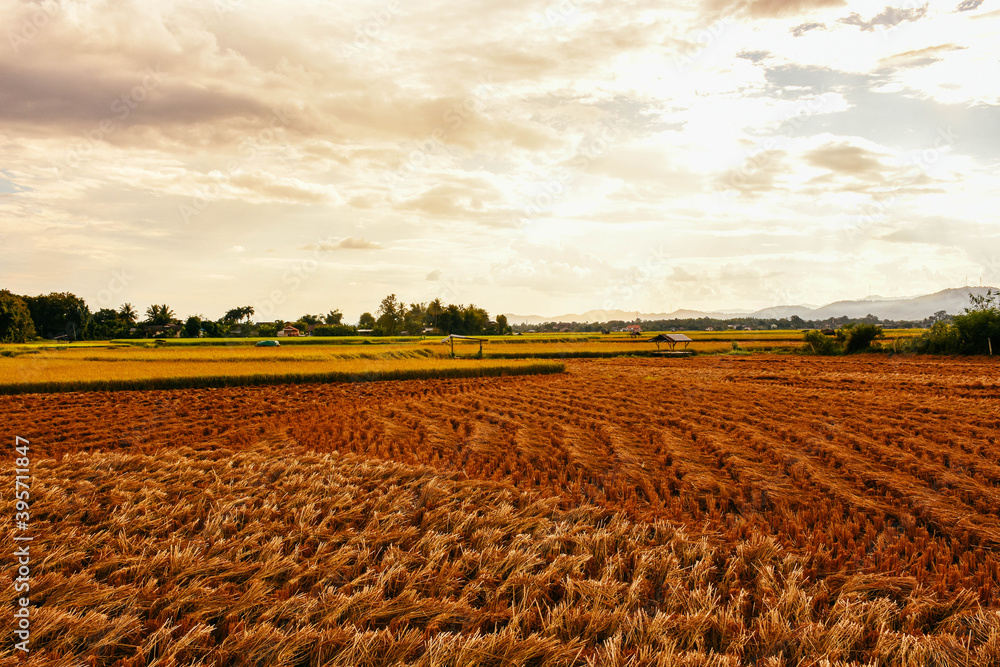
x=65 y=316
x=793 y=323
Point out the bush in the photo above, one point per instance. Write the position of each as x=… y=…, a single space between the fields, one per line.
x=979 y=327
x=334 y=330
x=858 y=337
x=820 y=343
x=941 y=338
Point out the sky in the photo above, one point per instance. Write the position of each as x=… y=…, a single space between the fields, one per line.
x=530 y=157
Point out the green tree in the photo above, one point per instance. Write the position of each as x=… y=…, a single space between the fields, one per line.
x=16 y=325
x=474 y=320
x=192 y=327
x=310 y=319
x=107 y=323
x=160 y=314
x=413 y=318
x=451 y=321
x=502 y=326
x=127 y=314
x=390 y=315
x=434 y=310
x=58 y=313
x=333 y=317
x=366 y=321
x=978 y=328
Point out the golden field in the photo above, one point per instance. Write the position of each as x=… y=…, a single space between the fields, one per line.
x=714 y=510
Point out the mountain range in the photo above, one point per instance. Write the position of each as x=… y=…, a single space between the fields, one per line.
x=952 y=301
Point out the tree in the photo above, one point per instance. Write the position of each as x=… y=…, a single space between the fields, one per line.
x=238 y=314
x=413 y=319
x=474 y=320
x=160 y=314
x=434 y=310
x=333 y=317
x=310 y=319
x=58 y=313
x=502 y=326
x=979 y=326
x=16 y=325
x=450 y=321
x=106 y=324
x=367 y=321
x=192 y=327
x=390 y=319
x=127 y=314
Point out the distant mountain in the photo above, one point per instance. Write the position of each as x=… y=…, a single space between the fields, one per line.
x=952 y=301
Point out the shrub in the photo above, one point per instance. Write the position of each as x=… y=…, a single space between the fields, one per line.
x=820 y=343
x=979 y=326
x=941 y=338
x=858 y=337
x=334 y=330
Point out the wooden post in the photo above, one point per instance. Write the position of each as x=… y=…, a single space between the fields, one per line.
x=452 y=339
x=480 y=348
x=990 y=343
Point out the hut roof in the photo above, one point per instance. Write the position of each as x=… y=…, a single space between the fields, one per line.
x=670 y=338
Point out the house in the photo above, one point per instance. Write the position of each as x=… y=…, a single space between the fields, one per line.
x=633 y=329
x=164 y=330
x=289 y=331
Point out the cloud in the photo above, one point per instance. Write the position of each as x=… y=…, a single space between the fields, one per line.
x=919 y=57
x=768 y=8
x=349 y=243
x=681 y=275
x=803 y=28
x=968 y=5
x=889 y=17
x=845 y=159
x=435 y=275
x=759 y=173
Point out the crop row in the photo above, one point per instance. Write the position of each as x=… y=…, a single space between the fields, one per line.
x=270 y=553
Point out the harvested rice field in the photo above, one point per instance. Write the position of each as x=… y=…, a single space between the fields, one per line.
x=714 y=510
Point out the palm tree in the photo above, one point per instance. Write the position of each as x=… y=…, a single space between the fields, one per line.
x=160 y=314
x=434 y=310
x=127 y=313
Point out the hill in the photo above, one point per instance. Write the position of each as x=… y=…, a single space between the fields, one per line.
x=953 y=301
